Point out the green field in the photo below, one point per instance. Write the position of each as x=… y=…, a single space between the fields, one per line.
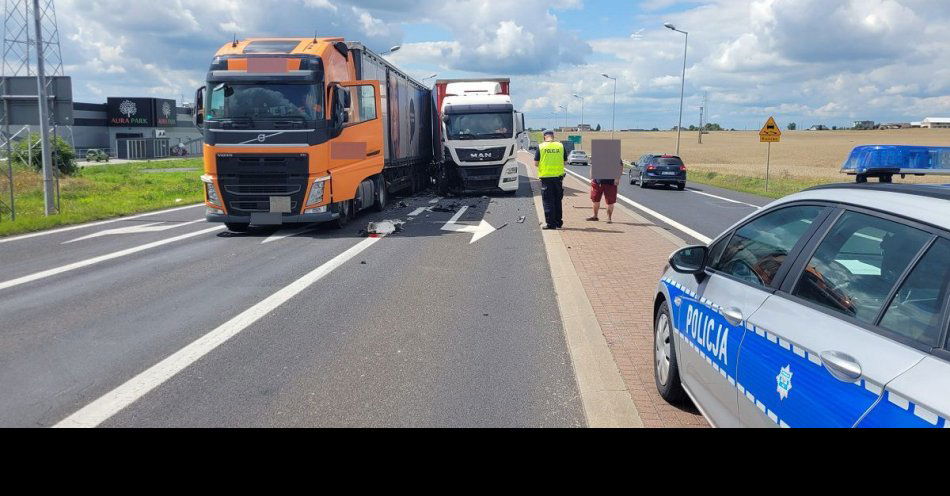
x=102 y=192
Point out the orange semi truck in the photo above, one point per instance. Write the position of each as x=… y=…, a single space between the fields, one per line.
x=305 y=130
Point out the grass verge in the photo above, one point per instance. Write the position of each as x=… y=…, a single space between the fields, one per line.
x=102 y=192
x=778 y=187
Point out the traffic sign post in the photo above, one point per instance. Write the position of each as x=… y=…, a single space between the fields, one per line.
x=770 y=133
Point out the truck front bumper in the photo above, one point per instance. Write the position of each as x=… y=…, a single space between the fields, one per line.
x=269 y=219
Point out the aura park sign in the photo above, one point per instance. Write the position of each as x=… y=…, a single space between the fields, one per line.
x=141 y=112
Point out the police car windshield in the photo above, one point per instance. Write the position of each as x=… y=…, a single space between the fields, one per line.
x=480 y=126
x=264 y=101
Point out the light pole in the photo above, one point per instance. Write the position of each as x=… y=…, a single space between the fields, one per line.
x=566 y=114
x=582 y=109
x=613 y=123
x=430 y=77
x=393 y=50
x=679 y=128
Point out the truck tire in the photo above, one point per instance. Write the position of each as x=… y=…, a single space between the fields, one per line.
x=345 y=209
x=238 y=227
x=382 y=194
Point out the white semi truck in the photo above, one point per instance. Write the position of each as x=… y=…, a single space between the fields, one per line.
x=477 y=131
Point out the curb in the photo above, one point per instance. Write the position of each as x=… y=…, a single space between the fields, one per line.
x=604 y=395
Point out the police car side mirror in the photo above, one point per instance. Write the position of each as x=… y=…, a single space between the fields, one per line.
x=690 y=260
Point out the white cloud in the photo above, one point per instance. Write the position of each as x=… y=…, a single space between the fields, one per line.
x=810 y=59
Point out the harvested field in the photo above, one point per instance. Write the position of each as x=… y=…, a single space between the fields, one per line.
x=811 y=156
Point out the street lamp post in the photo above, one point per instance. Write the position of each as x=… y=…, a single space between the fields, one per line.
x=613 y=123
x=566 y=114
x=582 y=108
x=393 y=50
x=679 y=128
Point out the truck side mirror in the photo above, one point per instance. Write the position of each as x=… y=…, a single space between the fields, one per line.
x=445 y=119
x=339 y=113
x=519 y=123
x=199 y=117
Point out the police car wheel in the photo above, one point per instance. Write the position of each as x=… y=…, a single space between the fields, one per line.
x=666 y=370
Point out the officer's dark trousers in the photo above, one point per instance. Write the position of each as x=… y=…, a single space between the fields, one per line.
x=552 y=195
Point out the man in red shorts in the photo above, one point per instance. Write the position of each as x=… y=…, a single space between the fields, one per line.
x=603 y=189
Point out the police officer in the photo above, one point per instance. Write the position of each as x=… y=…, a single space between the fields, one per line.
x=549 y=159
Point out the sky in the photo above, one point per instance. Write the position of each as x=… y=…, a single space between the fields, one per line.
x=811 y=62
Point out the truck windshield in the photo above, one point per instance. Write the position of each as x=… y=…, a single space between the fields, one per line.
x=264 y=101
x=480 y=126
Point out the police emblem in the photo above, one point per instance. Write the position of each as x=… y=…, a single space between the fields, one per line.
x=784 y=381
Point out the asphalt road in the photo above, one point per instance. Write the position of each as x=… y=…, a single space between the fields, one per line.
x=164 y=320
x=705 y=211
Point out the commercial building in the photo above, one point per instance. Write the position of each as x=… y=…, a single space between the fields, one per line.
x=134 y=128
x=936 y=123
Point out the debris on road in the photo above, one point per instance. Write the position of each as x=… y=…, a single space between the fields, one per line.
x=522 y=219
x=403 y=204
x=385 y=227
x=452 y=207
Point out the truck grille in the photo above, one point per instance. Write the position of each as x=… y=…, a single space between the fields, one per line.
x=249 y=181
x=473 y=155
x=481 y=178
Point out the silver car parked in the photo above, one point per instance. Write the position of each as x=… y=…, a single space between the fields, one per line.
x=828 y=308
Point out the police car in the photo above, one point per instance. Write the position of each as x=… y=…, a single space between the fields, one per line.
x=828 y=308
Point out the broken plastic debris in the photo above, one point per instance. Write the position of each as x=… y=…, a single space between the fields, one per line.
x=385 y=227
x=521 y=220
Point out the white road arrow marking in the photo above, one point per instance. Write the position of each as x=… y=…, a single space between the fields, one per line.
x=479 y=231
x=419 y=211
x=141 y=228
x=289 y=234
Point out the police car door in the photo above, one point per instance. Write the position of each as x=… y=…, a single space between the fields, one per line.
x=743 y=268
x=815 y=356
x=919 y=312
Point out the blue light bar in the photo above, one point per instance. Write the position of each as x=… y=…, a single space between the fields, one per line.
x=886 y=160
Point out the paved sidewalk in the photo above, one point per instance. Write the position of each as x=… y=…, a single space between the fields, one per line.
x=619 y=266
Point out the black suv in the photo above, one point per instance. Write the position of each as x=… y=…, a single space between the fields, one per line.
x=659 y=169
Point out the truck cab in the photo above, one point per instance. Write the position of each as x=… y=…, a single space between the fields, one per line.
x=479 y=131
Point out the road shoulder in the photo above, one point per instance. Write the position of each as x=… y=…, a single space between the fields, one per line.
x=606 y=400
x=606 y=277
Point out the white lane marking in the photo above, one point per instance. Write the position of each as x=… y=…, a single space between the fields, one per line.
x=111 y=256
x=658 y=216
x=730 y=200
x=478 y=232
x=279 y=235
x=96 y=224
x=139 y=229
x=418 y=211
x=121 y=397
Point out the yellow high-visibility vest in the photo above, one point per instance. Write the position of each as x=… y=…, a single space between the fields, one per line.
x=552 y=159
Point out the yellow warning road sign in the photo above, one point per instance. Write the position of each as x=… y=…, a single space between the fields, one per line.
x=770 y=133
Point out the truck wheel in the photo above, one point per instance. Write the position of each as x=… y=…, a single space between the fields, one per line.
x=237 y=227
x=666 y=368
x=345 y=209
x=382 y=195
